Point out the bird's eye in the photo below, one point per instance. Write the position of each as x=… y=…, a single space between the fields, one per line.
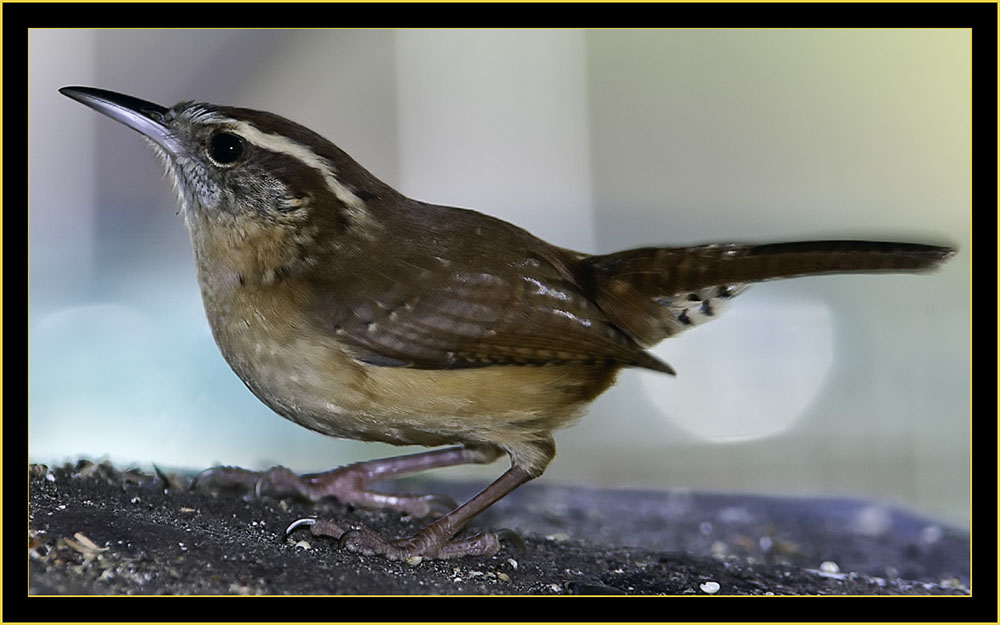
x=225 y=148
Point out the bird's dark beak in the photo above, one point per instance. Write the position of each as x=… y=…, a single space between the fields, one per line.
x=140 y=115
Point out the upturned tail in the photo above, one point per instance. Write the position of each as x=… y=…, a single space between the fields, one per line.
x=656 y=292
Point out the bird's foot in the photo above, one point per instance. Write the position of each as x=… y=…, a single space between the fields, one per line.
x=428 y=544
x=347 y=484
x=219 y=479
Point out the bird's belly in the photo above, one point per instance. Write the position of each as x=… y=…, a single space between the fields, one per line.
x=316 y=383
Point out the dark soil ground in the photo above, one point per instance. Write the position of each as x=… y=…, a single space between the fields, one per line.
x=98 y=530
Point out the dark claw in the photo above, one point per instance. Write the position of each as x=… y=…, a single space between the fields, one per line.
x=508 y=535
x=194 y=481
x=306 y=522
x=362 y=540
x=440 y=503
x=279 y=482
x=223 y=478
x=317 y=527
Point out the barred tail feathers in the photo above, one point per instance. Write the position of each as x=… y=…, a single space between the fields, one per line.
x=653 y=293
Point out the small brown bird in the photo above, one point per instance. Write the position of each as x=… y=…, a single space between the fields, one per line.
x=357 y=312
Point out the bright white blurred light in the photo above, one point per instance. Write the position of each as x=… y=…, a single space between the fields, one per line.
x=749 y=374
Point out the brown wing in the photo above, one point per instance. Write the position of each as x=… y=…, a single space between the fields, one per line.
x=497 y=298
x=469 y=316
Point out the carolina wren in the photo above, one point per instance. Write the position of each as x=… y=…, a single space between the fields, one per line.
x=360 y=313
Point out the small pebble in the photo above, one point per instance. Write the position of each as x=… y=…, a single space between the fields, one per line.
x=710 y=587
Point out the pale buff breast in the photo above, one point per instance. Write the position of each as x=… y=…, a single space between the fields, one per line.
x=314 y=380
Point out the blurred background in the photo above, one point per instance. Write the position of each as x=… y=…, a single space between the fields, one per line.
x=594 y=140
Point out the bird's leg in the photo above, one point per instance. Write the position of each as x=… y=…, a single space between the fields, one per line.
x=528 y=460
x=434 y=541
x=349 y=484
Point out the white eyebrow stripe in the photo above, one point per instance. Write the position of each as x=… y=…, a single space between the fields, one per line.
x=284 y=145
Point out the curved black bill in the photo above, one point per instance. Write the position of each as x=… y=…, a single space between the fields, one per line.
x=145 y=117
